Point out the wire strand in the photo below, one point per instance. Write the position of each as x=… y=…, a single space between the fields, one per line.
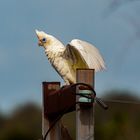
x=122 y=101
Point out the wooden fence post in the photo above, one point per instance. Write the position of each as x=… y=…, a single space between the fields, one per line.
x=85 y=117
x=55 y=133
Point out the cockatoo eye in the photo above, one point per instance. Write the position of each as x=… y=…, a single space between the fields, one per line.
x=44 y=40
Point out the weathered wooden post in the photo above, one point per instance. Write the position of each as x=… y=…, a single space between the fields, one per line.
x=55 y=133
x=85 y=115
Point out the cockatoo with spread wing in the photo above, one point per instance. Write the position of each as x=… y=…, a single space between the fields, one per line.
x=65 y=60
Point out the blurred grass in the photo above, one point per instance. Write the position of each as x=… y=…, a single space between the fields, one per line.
x=23 y=124
x=119 y=122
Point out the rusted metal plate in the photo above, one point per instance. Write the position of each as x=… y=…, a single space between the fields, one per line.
x=54 y=103
x=58 y=101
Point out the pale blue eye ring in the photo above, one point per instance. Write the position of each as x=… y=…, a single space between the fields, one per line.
x=44 y=40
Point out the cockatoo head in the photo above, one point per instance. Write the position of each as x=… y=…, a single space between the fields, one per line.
x=43 y=38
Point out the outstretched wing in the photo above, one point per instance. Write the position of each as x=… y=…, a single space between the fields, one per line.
x=82 y=54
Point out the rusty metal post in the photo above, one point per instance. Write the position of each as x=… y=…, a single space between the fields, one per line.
x=55 y=133
x=55 y=103
x=85 y=116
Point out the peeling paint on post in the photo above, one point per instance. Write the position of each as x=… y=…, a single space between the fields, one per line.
x=85 y=116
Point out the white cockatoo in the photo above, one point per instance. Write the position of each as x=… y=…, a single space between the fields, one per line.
x=65 y=60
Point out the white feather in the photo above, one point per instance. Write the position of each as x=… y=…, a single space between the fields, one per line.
x=90 y=54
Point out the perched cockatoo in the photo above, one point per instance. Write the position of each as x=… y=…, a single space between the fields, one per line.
x=65 y=60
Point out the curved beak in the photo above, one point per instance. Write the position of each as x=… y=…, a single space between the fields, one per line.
x=38 y=36
x=37 y=33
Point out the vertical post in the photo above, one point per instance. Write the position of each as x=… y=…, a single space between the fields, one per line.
x=55 y=133
x=85 y=116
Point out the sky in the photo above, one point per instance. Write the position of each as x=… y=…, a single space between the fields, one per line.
x=114 y=28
